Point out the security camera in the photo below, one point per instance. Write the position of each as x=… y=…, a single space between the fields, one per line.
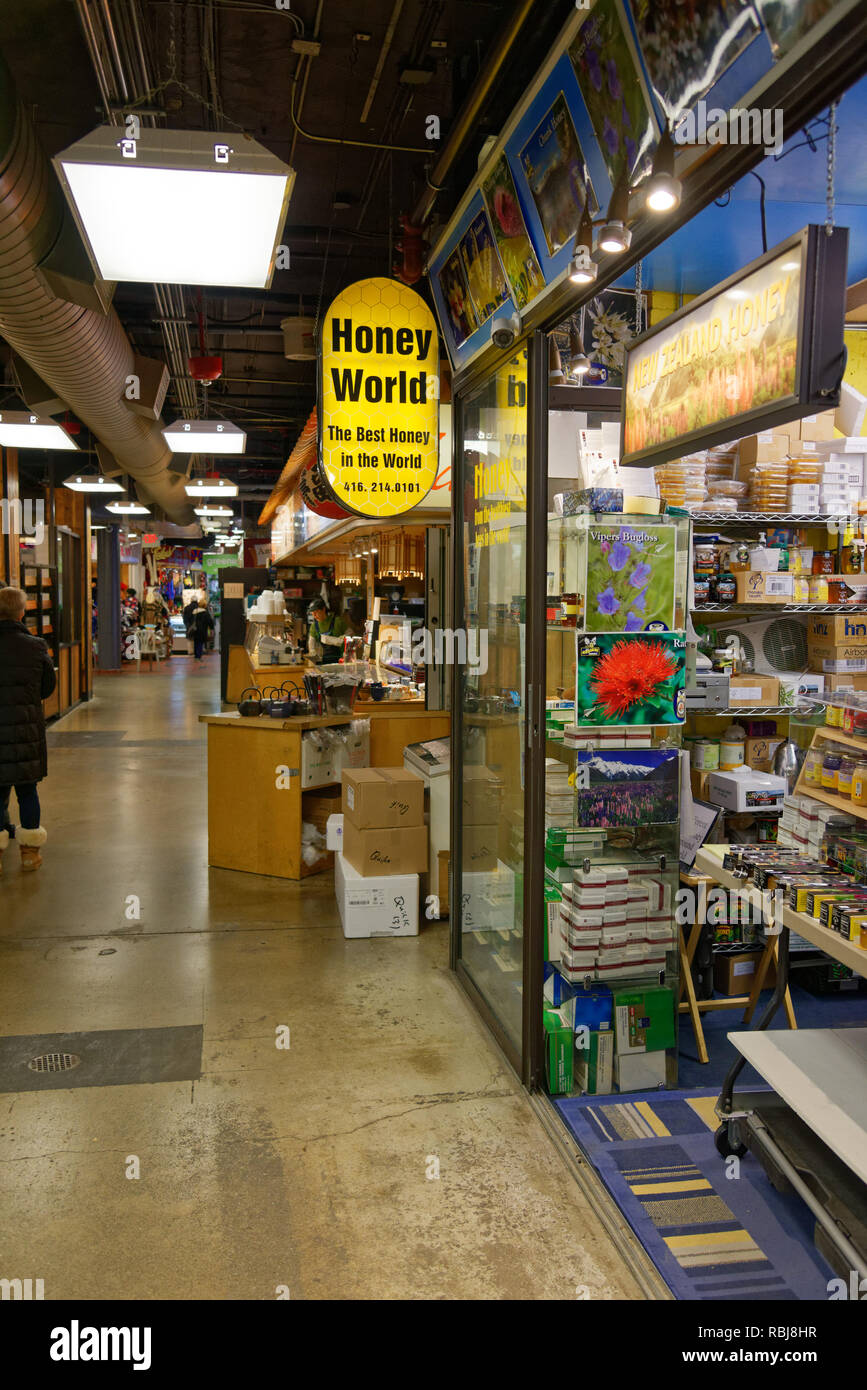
x=504 y=330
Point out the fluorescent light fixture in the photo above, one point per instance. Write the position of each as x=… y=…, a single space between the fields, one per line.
x=177 y=207
x=91 y=482
x=21 y=430
x=127 y=508
x=205 y=437
x=213 y=511
x=211 y=487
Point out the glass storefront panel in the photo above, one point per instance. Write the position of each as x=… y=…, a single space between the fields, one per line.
x=489 y=874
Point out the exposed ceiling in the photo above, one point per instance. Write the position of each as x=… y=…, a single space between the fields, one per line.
x=383 y=66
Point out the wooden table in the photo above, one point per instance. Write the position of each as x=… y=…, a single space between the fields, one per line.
x=696 y=1007
x=255 y=811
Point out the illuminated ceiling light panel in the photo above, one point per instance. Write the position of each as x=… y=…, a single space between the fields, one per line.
x=21 y=430
x=127 y=509
x=177 y=207
x=211 y=487
x=213 y=511
x=205 y=437
x=91 y=482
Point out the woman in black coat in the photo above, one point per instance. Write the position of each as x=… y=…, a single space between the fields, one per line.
x=203 y=625
x=27 y=677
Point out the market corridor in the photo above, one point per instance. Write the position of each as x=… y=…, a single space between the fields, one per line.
x=309 y=1169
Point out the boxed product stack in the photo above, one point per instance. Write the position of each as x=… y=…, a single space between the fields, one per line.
x=566 y=847
x=615 y=921
x=481 y=810
x=604 y=1038
x=559 y=796
x=384 y=850
x=804 y=824
x=837 y=644
x=682 y=483
x=844 y=468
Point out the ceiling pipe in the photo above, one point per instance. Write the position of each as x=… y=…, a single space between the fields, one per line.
x=465 y=122
x=82 y=354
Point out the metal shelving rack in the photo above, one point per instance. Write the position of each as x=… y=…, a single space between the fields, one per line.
x=768 y=518
x=744 y=609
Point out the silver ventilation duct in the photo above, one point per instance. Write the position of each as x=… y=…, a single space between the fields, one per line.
x=84 y=355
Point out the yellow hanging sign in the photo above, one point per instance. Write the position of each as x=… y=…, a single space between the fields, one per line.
x=380 y=396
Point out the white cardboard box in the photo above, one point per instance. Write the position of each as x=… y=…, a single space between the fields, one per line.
x=489 y=899
x=334 y=831
x=746 y=790
x=639 y=1071
x=385 y=906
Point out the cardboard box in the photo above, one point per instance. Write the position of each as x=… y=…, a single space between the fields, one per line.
x=640 y=1071
x=383 y=850
x=644 y=1019
x=698 y=779
x=334 y=831
x=735 y=974
x=794 y=685
x=838 y=630
x=318 y=760
x=489 y=899
x=850 y=682
x=382 y=796
x=759 y=753
x=480 y=848
x=746 y=790
x=594 y=1064
x=754 y=690
x=768 y=447
x=751 y=587
x=559 y=1050
x=482 y=795
x=816 y=427
x=375 y=906
x=837 y=660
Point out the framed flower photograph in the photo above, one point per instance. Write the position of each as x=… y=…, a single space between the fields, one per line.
x=630 y=578
x=626 y=787
x=687 y=46
x=610 y=321
x=613 y=89
x=630 y=678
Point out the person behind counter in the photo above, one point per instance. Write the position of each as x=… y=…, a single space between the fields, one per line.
x=324 y=630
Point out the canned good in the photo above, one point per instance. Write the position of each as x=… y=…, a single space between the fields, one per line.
x=705 y=754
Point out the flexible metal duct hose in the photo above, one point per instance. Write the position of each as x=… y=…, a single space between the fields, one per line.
x=83 y=355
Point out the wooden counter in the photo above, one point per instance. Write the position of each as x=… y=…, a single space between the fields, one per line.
x=255 y=811
x=242 y=674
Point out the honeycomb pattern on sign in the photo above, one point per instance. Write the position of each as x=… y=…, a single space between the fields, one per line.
x=377 y=491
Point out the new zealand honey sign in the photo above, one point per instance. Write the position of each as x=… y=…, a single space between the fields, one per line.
x=734 y=355
x=380 y=396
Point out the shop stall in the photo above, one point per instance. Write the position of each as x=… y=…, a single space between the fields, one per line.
x=629 y=482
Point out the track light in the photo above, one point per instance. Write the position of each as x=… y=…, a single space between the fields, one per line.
x=615 y=236
x=663 y=189
x=555 y=366
x=579 y=362
x=582 y=269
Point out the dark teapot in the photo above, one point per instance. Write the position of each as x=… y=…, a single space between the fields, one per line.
x=250 y=708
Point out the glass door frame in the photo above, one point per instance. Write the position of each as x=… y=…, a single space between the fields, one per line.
x=528 y=1061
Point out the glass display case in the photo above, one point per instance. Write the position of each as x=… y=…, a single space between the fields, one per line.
x=615 y=644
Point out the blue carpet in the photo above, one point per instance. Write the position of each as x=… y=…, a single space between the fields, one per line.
x=713 y=1233
x=811 y=1011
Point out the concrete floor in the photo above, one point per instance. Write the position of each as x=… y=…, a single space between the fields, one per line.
x=305 y=1168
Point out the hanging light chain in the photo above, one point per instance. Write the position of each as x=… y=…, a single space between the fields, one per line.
x=639 y=297
x=832 y=167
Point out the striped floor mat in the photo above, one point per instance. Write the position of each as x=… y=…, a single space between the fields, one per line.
x=714 y=1229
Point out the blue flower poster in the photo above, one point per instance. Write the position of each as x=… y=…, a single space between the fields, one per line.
x=630 y=578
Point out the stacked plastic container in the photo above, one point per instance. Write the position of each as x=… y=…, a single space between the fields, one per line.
x=682 y=482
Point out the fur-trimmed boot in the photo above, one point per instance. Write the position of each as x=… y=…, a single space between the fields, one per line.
x=30 y=842
x=4 y=844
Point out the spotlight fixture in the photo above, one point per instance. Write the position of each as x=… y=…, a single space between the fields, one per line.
x=662 y=191
x=205 y=437
x=556 y=376
x=582 y=269
x=127 y=508
x=177 y=207
x=615 y=237
x=579 y=362
x=91 y=481
x=21 y=430
x=212 y=486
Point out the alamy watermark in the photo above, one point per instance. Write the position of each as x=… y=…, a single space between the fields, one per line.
x=444 y=647
x=742 y=125
x=19 y=518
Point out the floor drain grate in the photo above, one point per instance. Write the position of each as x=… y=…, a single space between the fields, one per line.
x=54 y=1061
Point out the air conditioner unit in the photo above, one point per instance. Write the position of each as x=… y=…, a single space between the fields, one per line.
x=774 y=645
